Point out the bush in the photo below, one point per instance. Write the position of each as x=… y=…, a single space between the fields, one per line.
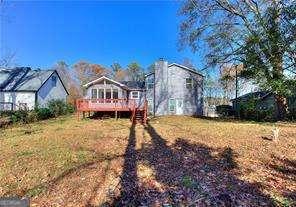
x=224 y=110
x=59 y=107
x=21 y=116
x=250 y=110
x=32 y=116
x=55 y=108
x=43 y=113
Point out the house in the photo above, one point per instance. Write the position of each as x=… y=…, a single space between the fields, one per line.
x=24 y=88
x=170 y=89
x=263 y=101
x=105 y=88
x=107 y=95
x=174 y=89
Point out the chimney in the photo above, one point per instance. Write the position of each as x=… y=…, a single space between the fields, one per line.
x=161 y=86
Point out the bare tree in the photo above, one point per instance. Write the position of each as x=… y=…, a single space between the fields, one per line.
x=259 y=34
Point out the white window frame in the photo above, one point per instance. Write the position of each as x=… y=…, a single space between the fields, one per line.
x=150 y=105
x=174 y=101
x=138 y=94
x=189 y=84
x=150 y=83
x=91 y=93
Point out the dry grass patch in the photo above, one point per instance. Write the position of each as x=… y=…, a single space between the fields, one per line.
x=173 y=160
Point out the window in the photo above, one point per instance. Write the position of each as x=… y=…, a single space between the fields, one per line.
x=101 y=93
x=54 y=81
x=150 y=83
x=189 y=83
x=150 y=105
x=115 y=93
x=108 y=93
x=135 y=95
x=94 y=93
x=172 y=105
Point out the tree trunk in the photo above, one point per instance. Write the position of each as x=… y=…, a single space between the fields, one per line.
x=282 y=107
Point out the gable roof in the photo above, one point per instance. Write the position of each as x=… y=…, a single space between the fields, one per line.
x=257 y=95
x=102 y=78
x=134 y=85
x=130 y=85
x=180 y=66
x=185 y=68
x=24 y=79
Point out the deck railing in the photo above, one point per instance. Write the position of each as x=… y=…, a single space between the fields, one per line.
x=105 y=104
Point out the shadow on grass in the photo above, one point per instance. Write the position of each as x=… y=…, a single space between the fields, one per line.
x=233 y=120
x=286 y=169
x=47 y=185
x=189 y=174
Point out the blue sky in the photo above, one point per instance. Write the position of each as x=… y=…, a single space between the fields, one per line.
x=44 y=32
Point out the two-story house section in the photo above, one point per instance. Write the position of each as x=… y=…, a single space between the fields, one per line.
x=174 y=89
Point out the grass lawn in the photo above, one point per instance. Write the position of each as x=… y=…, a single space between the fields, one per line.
x=173 y=160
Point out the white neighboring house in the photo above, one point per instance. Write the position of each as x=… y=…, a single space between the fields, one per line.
x=23 y=87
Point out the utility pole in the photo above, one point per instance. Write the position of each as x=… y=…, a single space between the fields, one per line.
x=236 y=83
x=236 y=92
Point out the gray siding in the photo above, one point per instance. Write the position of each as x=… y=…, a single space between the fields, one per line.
x=170 y=83
x=192 y=98
x=141 y=100
x=50 y=91
x=161 y=88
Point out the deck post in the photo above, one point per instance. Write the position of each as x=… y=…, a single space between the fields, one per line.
x=83 y=114
x=116 y=117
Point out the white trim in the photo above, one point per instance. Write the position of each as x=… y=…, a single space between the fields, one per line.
x=191 y=84
x=172 y=99
x=91 y=93
x=131 y=96
x=105 y=78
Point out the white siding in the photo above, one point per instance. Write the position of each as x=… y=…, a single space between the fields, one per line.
x=18 y=98
x=121 y=93
x=50 y=91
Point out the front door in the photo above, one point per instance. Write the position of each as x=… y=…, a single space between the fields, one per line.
x=179 y=106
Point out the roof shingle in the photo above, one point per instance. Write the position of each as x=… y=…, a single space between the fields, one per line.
x=23 y=79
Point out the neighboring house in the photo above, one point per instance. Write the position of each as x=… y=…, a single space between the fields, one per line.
x=23 y=87
x=170 y=89
x=210 y=104
x=264 y=101
x=174 y=89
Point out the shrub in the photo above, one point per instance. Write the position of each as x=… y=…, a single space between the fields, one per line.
x=21 y=116
x=59 y=107
x=32 y=116
x=43 y=113
x=224 y=110
x=70 y=108
x=251 y=110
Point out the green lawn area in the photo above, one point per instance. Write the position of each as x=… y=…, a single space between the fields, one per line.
x=173 y=160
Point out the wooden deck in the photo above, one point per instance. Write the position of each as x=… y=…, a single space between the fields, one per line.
x=116 y=105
